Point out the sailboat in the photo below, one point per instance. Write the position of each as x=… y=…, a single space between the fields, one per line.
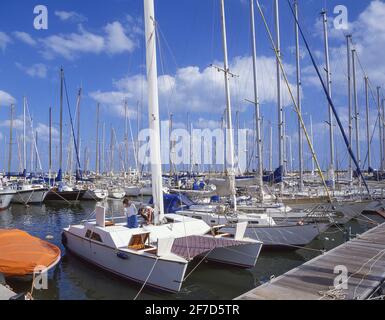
x=156 y=255
x=260 y=226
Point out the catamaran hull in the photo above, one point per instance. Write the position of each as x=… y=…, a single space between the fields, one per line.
x=244 y=256
x=159 y=274
x=30 y=196
x=5 y=200
x=284 y=236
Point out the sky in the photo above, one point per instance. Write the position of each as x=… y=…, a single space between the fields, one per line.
x=100 y=45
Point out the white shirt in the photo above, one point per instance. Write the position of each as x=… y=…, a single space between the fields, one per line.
x=130 y=211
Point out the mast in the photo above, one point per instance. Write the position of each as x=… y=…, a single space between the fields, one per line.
x=367 y=120
x=230 y=141
x=356 y=108
x=153 y=110
x=312 y=142
x=24 y=135
x=348 y=41
x=125 y=136
x=10 y=139
x=103 y=155
x=61 y=119
x=299 y=100
x=271 y=149
x=279 y=97
x=383 y=132
x=78 y=127
x=97 y=139
x=256 y=101
x=50 y=144
x=329 y=89
x=380 y=124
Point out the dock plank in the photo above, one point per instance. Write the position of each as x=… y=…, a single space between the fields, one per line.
x=364 y=258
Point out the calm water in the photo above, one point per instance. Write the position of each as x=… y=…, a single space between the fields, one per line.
x=74 y=279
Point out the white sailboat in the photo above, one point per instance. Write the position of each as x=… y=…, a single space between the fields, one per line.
x=156 y=255
x=260 y=226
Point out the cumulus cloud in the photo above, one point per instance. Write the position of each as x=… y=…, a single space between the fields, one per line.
x=200 y=90
x=369 y=39
x=114 y=40
x=25 y=37
x=4 y=40
x=6 y=99
x=70 y=16
x=38 y=70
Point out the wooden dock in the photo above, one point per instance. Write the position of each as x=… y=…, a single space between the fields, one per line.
x=363 y=258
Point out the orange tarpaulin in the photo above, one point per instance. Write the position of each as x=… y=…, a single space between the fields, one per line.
x=21 y=253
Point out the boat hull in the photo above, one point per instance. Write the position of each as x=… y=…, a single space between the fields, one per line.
x=65 y=195
x=244 y=256
x=286 y=235
x=30 y=196
x=166 y=275
x=5 y=200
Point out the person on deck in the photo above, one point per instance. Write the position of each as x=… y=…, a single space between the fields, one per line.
x=131 y=213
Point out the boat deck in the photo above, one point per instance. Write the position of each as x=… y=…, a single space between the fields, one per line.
x=5 y=293
x=363 y=258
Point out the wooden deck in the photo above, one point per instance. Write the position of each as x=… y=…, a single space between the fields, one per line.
x=364 y=258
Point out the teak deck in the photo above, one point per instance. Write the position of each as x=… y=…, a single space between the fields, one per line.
x=364 y=258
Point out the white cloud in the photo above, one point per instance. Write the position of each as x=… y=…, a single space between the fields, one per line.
x=70 y=45
x=368 y=33
x=70 y=16
x=25 y=37
x=6 y=99
x=116 y=40
x=38 y=70
x=201 y=91
x=4 y=40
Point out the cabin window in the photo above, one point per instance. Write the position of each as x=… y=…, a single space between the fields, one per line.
x=88 y=234
x=96 y=237
x=197 y=217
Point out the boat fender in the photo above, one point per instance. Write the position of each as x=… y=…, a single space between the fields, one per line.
x=300 y=223
x=122 y=255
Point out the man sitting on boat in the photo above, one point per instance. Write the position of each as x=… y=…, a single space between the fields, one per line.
x=147 y=214
x=131 y=213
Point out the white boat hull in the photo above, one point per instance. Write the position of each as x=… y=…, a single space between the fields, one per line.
x=30 y=196
x=284 y=236
x=166 y=274
x=95 y=195
x=244 y=256
x=5 y=200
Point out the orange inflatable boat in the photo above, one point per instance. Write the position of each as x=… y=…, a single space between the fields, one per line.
x=22 y=254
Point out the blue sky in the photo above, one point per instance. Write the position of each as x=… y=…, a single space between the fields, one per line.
x=100 y=45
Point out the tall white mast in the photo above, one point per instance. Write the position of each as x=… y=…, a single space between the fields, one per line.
x=153 y=110
x=329 y=87
x=279 y=97
x=356 y=109
x=348 y=41
x=256 y=100
x=24 y=135
x=380 y=127
x=230 y=141
x=299 y=102
x=367 y=120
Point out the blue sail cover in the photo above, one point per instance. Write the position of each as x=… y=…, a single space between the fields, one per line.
x=275 y=177
x=174 y=202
